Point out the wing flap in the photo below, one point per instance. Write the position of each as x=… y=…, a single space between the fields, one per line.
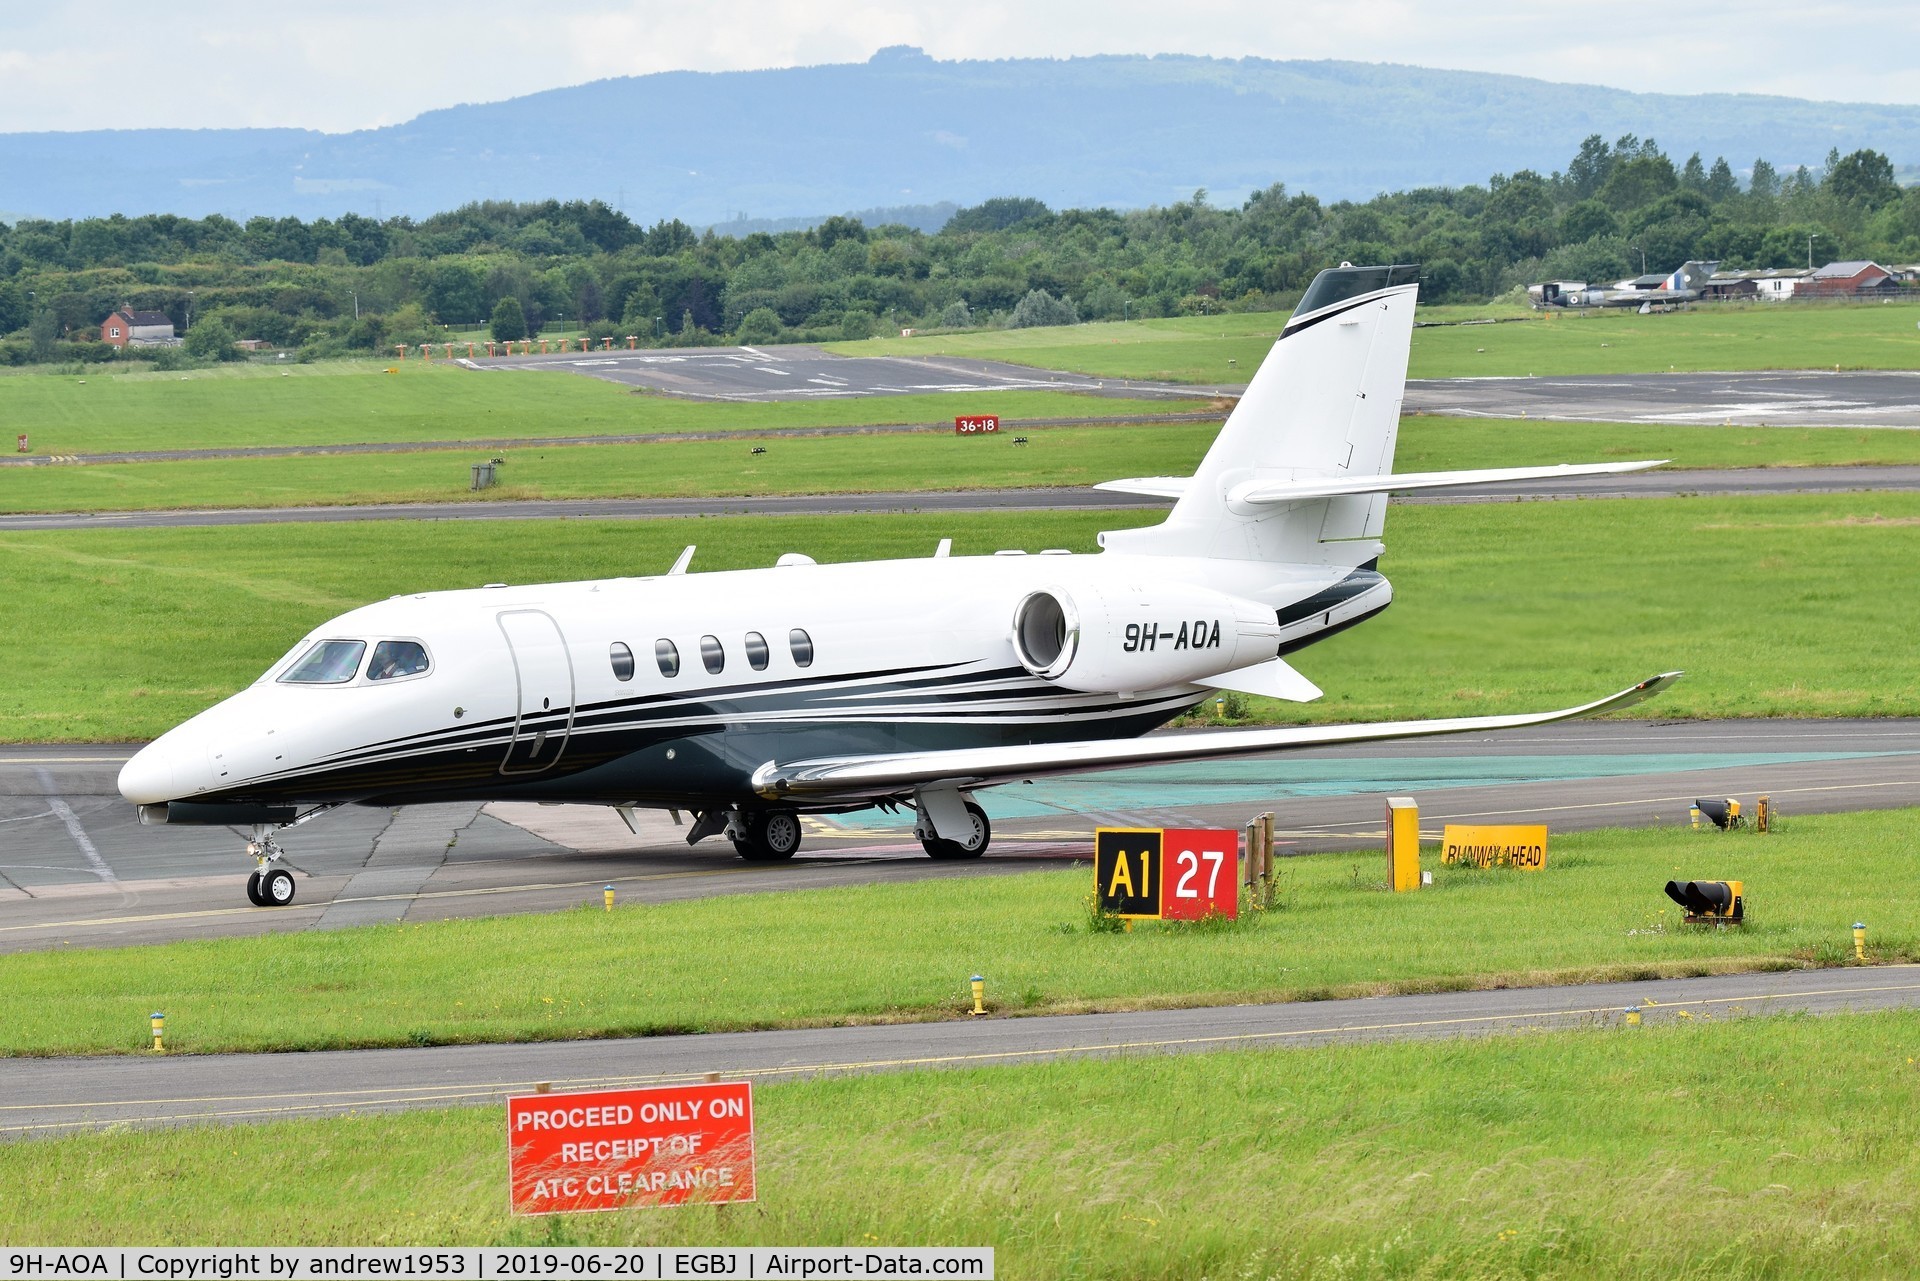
x=886 y=773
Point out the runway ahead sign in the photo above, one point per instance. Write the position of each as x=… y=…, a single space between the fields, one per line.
x=610 y=1149
x=1173 y=873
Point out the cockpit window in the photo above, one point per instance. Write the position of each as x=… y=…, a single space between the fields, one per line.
x=393 y=659
x=331 y=662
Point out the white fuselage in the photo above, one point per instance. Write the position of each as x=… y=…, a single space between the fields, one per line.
x=527 y=694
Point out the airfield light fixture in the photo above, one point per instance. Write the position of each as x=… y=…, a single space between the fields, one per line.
x=1859 y=940
x=979 y=994
x=1723 y=814
x=1710 y=902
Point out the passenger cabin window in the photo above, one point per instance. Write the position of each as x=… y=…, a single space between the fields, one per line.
x=668 y=656
x=712 y=655
x=331 y=662
x=393 y=659
x=622 y=659
x=757 y=651
x=802 y=647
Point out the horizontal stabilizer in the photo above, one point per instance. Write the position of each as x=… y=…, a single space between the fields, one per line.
x=1271 y=679
x=1293 y=491
x=891 y=773
x=1148 y=486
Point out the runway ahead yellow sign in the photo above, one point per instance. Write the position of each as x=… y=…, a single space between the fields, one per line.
x=1524 y=847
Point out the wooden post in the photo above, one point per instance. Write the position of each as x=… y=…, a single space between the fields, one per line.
x=1266 y=859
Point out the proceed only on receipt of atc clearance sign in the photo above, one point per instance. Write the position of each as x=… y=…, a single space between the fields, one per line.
x=612 y=1149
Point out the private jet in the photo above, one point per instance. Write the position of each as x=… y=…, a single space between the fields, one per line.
x=748 y=698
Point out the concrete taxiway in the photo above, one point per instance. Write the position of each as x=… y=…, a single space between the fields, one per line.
x=77 y=870
x=53 y=1096
x=1655 y=484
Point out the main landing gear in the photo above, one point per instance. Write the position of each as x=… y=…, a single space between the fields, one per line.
x=765 y=836
x=270 y=885
x=971 y=841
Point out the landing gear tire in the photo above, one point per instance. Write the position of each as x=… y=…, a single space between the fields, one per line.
x=253 y=891
x=978 y=836
x=771 y=836
x=276 y=887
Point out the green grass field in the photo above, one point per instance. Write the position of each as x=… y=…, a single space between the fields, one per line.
x=1225 y=349
x=887 y=462
x=905 y=952
x=1771 y=604
x=1757 y=1148
x=339 y=402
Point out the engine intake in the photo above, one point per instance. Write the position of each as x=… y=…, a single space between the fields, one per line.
x=1118 y=639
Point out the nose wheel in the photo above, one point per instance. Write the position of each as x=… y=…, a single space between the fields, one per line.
x=270 y=885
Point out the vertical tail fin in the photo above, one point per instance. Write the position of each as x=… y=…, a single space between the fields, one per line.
x=1324 y=403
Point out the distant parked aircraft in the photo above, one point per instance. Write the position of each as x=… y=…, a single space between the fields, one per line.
x=1683 y=285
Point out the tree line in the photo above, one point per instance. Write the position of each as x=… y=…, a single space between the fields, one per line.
x=337 y=286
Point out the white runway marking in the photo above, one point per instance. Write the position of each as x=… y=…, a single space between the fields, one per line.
x=64 y=812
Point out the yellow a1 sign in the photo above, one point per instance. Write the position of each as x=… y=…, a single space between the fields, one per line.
x=1172 y=873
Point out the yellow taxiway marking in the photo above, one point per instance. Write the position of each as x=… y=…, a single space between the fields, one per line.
x=204 y=913
x=482 y=1090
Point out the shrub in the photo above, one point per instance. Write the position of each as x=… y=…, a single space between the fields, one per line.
x=1041 y=308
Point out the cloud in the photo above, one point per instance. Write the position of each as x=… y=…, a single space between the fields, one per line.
x=354 y=64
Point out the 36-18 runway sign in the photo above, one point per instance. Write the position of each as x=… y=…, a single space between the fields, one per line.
x=606 y=1149
x=1173 y=873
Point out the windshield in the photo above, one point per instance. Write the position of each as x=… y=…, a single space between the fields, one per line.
x=331 y=662
x=392 y=659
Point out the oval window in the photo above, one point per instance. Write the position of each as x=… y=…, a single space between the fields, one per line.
x=802 y=647
x=393 y=659
x=665 y=654
x=757 y=651
x=622 y=659
x=712 y=654
x=331 y=662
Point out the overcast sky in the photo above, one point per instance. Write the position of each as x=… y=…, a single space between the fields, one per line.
x=340 y=65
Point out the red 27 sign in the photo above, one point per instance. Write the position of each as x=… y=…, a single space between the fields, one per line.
x=1200 y=873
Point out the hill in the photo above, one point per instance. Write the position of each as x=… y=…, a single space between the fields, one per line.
x=905 y=129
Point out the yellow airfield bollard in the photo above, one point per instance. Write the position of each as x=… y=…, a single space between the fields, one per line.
x=607 y=894
x=159 y=1022
x=979 y=995
x=1693 y=813
x=1633 y=1016
x=1859 y=940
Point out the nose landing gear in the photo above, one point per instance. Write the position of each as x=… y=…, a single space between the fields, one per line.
x=269 y=886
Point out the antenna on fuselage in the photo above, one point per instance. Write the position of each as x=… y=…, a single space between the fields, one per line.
x=686 y=559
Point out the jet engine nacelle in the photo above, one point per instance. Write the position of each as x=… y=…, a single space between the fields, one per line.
x=1121 y=638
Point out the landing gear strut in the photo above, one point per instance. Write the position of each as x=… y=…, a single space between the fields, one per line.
x=765 y=836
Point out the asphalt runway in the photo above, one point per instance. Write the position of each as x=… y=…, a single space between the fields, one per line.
x=1783 y=398
x=77 y=870
x=51 y=1096
x=1655 y=484
x=1779 y=398
x=750 y=375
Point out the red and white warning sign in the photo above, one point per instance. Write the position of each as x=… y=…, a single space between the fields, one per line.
x=608 y=1149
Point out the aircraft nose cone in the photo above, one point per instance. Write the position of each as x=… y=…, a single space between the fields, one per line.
x=148 y=779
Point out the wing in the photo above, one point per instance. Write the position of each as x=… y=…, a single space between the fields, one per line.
x=1294 y=491
x=894 y=772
